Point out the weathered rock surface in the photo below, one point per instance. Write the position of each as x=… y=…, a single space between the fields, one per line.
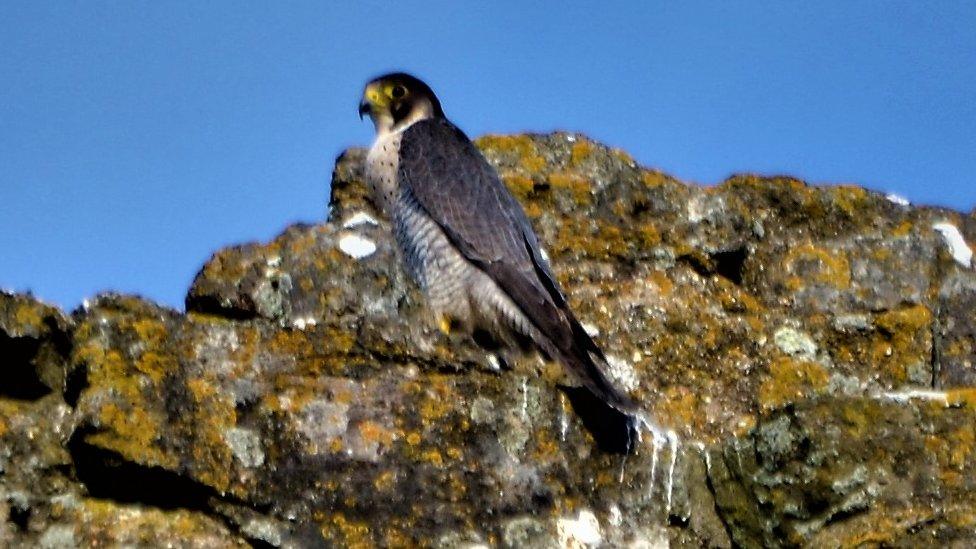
x=808 y=354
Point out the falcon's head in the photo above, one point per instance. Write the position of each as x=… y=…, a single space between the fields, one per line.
x=396 y=100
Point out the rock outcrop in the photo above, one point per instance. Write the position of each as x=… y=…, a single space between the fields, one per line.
x=806 y=353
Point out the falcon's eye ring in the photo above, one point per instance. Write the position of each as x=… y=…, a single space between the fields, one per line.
x=398 y=91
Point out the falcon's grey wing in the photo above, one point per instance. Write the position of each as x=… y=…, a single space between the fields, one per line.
x=463 y=194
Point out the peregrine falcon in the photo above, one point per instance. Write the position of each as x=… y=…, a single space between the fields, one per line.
x=464 y=238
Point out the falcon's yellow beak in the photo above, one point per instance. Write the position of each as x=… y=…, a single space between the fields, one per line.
x=373 y=99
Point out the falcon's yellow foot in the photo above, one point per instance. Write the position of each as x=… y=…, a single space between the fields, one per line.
x=444 y=324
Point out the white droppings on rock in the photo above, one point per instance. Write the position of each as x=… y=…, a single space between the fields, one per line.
x=897 y=199
x=563 y=417
x=703 y=207
x=58 y=536
x=614 y=517
x=264 y=530
x=916 y=394
x=246 y=446
x=273 y=262
x=582 y=531
x=622 y=372
x=322 y=422
x=305 y=322
x=356 y=246
x=590 y=329
x=651 y=537
x=673 y=445
x=703 y=450
x=795 y=343
x=494 y=363
x=357 y=219
x=961 y=251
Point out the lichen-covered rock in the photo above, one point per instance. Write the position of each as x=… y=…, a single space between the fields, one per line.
x=33 y=346
x=805 y=355
x=42 y=502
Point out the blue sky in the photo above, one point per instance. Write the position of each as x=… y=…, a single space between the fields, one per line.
x=137 y=138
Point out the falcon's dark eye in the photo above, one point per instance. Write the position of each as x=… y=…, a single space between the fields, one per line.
x=398 y=91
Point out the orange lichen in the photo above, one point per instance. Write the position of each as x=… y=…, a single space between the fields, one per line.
x=371 y=431
x=791 y=380
x=201 y=389
x=353 y=534
x=679 y=407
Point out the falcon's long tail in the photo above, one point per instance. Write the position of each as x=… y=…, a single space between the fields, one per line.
x=588 y=362
x=611 y=407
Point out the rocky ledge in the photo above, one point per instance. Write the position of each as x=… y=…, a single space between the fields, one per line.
x=807 y=354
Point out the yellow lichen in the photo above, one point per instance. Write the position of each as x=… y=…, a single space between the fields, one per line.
x=963 y=440
x=384 y=481
x=965 y=396
x=201 y=389
x=521 y=145
x=433 y=456
x=28 y=315
x=155 y=365
x=905 y=340
x=519 y=185
x=132 y=432
x=849 y=199
x=576 y=186
x=150 y=331
x=580 y=151
x=652 y=179
x=830 y=268
x=648 y=235
x=905 y=228
x=623 y=156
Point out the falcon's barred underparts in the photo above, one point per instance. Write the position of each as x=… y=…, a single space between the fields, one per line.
x=465 y=239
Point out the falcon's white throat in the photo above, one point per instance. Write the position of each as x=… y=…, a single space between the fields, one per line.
x=384 y=123
x=383 y=158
